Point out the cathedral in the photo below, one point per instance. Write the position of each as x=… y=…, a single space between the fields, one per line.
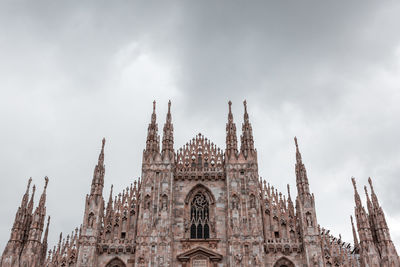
x=200 y=206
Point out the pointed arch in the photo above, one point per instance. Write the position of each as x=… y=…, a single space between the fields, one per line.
x=200 y=188
x=116 y=262
x=284 y=262
x=200 y=213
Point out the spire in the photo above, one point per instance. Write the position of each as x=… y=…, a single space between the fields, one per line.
x=44 y=243
x=46 y=232
x=378 y=218
x=153 y=115
x=30 y=204
x=247 y=142
x=298 y=154
x=356 y=195
x=22 y=216
x=38 y=218
x=354 y=232
x=301 y=173
x=42 y=201
x=109 y=205
x=375 y=201
x=290 y=202
x=98 y=176
x=168 y=136
x=231 y=138
x=369 y=203
x=153 y=140
x=246 y=115
x=25 y=198
x=101 y=156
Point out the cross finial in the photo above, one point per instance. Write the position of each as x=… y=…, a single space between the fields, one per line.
x=154 y=106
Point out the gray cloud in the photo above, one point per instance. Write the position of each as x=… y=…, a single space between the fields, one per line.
x=73 y=72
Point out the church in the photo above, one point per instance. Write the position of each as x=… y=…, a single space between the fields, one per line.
x=200 y=206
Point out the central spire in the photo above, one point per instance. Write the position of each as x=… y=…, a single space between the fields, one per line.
x=98 y=175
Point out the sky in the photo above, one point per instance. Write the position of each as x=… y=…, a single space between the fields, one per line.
x=73 y=72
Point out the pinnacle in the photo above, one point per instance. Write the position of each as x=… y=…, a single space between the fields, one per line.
x=288 y=189
x=353 y=180
x=46 y=182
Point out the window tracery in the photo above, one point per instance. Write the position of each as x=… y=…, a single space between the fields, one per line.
x=116 y=263
x=199 y=217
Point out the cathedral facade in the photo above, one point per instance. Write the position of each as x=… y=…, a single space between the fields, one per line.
x=200 y=206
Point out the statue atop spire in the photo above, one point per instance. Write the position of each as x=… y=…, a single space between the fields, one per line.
x=153 y=115
x=246 y=115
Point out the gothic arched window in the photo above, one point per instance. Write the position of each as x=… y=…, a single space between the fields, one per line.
x=283 y=262
x=199 y=217
x=115 y=263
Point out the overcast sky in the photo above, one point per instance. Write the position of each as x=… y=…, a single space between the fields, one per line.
x=73 y=72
